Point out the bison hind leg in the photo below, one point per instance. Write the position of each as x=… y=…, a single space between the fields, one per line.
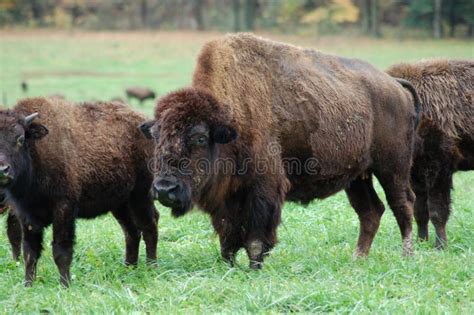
x=439 y=201
x=398 y=189
x=150 y=233
x=146 y=218
x=369 y=208
x=132 y=235
x=422 y=215
x=64 y=222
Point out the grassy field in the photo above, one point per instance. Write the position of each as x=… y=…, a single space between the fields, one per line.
x=311 y=269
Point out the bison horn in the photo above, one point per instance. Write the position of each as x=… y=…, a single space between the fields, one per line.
x=29 y=119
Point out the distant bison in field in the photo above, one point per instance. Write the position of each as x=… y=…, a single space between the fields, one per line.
x=24 y=86
x=60 y=161
x=140 y=93
x=13 y=227
x=446 y=90
x=259 y=106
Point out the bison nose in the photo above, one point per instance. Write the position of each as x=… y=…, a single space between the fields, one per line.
x=4 y=170
x=166 y=191
x=5 y=174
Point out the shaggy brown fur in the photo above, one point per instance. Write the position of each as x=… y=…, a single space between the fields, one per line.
x=340 y=119
x=446 y=90
x=76 y=161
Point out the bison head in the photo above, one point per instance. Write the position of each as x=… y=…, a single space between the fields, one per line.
x=16 y=135
x=189 y=129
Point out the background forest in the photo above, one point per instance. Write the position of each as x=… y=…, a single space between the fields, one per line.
x=419 y=18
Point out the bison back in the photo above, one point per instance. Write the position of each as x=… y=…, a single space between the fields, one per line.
x=313 y=105
x=93 y=151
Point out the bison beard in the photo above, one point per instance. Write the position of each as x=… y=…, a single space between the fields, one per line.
x=350 y=118
x=446 y=90
x=75 y=161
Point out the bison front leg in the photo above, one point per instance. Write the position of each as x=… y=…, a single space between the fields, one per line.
x=32 y=247
x=230 y=237
x=230 y=245
x=63 y=241
x=261 y=230
x=256 y=251
x=14 y=235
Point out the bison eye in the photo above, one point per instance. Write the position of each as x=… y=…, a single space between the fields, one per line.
x=20 y=141
x=201 y=140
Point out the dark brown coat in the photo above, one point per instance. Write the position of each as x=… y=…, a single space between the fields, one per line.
x=339 y=119
x=76 y=161
x=446 y=90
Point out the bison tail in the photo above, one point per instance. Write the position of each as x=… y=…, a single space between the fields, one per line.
x=407 y=85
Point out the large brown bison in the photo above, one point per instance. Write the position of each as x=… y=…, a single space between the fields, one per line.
x=446 y=90
x=229 y=143
x=13 y=227
x=60 y=161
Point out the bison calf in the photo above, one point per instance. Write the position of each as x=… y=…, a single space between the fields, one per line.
x=446 y=90
x=224 y=144
x=60 y=161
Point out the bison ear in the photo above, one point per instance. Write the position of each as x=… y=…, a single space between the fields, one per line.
x=36 y=131
x=145 y=128
x=223 y=134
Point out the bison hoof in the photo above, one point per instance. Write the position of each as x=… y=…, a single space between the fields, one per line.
x=16 y=257
x=423 y=238
x=359 y=253
x=130 y=263
x=256 y=265
x=441 y=244
x=423 y=235
x=229 y=259
x=407 y=247
x=64 y=283
x=228 y=256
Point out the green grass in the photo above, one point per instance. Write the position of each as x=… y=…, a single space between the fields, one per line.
x=310 y=270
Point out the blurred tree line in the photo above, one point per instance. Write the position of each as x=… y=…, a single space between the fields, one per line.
x=440 y=18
